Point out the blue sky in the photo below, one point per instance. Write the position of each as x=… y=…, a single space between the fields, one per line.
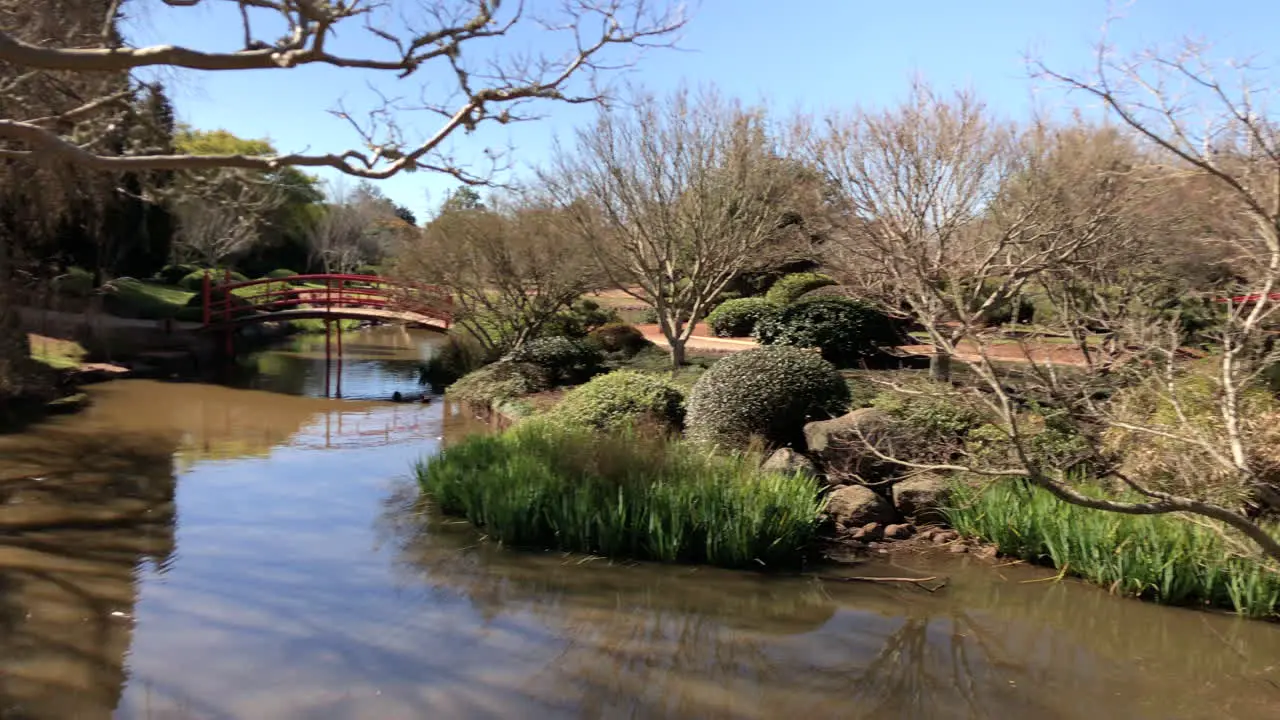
x=807 y=54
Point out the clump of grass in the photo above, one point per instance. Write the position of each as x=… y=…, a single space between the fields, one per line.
x=623 y=495
x=1163 y=558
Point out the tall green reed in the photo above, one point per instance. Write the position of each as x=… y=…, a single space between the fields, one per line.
x=1163 y=558
x=623 y=495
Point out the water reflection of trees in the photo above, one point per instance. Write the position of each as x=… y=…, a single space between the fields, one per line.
x=79 y=515
x=684 y=642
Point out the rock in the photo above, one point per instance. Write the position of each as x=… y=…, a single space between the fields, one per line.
x=922 y=497
x=855 y=506
x=959 y=549
x=928 y=534
x=871 y=531
x=839 y=444
x=898 y=531
x=788 y=462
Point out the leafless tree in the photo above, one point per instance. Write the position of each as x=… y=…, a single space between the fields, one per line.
x=675 y=198
x=487 y=84
x=1078 y=215
x=917 y=226
x=65 y=80
x=219 y=217
x=510 y=267
x=349 y=231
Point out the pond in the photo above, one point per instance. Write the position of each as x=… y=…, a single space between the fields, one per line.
x=198 y=551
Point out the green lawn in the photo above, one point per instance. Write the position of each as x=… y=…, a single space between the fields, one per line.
x=57 y=354
x=147 y=300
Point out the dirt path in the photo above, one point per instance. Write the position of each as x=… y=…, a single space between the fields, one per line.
x=703 y=339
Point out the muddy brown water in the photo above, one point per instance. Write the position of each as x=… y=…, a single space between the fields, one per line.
x=197 y=551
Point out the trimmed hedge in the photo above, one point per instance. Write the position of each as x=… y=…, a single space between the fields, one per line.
x=75 y=282
x=498 y=382
x=738 y=318
x=618 y=339
x=767 y=393
x=566 y=361
x=194 y=281
x=621 y=399
x=843 y=329
x=789 y=288
x=173 y=274
x=280 y=274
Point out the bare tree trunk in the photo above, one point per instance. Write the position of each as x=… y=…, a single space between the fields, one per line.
x=940 y=365
x=15 y=350
x=677 y=353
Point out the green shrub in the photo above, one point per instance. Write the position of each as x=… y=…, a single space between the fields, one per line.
x=499 y=382
x=937 y=414
x=459 y=354
x=620 y=399
x=789 y=288
x=768 y=392
x=1048 y=439
x=827 y=291
x=618 y=339
x=579 y=319
x=845 y=330
x=75 y=282
x=194 y=282
x=738 y=318
x=173 y=274
x=1165 y=558
x=371 y=270
x=624 y=495
x=280 y=274
x=566 y=361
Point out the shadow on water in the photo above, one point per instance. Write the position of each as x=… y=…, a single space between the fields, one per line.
x=78 y=515
x=184 y=550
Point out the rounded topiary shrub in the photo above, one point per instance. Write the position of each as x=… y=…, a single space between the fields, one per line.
x=567 y=361
x=618 y=339
x=173 y=274
x=768 y=392
x=738 y=318
x=828 y=291
x=371 y=270
x=621 y=399
x=280 y=274
x=843 y=329
x=499 y=382
x=789 y=288
x=194 y=281
x=75 y=282
x=193 y=311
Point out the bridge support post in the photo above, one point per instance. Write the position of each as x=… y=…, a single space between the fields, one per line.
x=328 y=354
x=339 y=334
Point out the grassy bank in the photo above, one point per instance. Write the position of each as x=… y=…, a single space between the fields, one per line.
x=1161 y=558
x=623 y=496
x=56 y=353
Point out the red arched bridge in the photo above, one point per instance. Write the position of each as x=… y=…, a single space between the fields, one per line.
x=228 y=305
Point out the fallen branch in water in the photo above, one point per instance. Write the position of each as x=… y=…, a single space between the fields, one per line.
x=918 y=582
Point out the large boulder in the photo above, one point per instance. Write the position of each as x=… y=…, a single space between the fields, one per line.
x=840 y=444
x=788 y=462
x=853 y=506
x=923 y=497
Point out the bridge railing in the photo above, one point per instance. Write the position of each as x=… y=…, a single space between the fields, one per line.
x=333 y=291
